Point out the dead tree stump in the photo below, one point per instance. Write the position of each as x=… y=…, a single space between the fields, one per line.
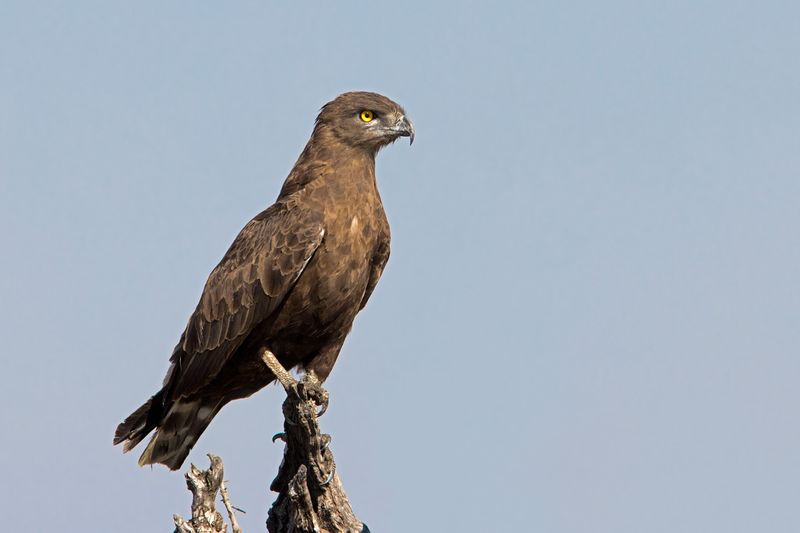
x=311 y=497
x=204 y=485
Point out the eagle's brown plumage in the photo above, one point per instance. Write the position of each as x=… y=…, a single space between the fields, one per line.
x=292 y=281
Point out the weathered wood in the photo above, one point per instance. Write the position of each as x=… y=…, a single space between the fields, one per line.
x=226 y=501
x=204 y=485
x=311 y=497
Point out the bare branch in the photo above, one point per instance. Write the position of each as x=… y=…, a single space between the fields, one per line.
x=226 y=500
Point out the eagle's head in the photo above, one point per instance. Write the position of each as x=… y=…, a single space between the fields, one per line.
x=365 y=120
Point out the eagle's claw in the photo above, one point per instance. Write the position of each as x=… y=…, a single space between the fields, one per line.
x=323 y=408
x=316 y=393
x=330 y=477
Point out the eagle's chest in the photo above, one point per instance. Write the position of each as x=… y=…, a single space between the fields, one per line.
x=344 y=261
x=330 y=290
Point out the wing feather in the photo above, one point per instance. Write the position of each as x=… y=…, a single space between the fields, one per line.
x=252 y=280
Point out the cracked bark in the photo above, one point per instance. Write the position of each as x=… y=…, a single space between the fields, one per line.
x=204 y=485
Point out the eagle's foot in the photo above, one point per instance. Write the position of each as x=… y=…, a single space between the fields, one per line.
x=316 y=393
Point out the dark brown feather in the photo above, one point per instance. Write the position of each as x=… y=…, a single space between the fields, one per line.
x=253 y=278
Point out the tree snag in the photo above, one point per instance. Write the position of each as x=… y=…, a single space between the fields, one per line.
x=204 y=485
x=310 y=499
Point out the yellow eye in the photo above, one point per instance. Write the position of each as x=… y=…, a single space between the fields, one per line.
x=366 y=116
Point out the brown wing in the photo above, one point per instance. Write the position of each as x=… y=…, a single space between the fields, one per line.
x=378 y=264
x=251 y=281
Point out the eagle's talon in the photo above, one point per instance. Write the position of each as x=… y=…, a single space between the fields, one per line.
x=330 y=477
x=314 y=391
x=323 y=408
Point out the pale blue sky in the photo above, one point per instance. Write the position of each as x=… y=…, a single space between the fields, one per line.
x=591 y=317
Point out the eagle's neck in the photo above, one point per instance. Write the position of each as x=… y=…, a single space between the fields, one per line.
x=324 y=158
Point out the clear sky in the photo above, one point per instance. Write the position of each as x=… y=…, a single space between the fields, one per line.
x=591 y=317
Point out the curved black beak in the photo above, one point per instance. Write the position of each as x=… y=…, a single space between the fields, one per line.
x=404 y=128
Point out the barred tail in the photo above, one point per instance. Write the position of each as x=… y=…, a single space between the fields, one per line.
x=178 y=431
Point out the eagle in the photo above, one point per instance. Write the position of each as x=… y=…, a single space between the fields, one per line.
x=292 y=282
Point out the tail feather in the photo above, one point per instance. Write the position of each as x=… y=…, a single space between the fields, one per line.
x=178 y=432
x=178 y=426
x=141 y=422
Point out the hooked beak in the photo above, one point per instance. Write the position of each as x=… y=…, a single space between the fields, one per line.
x=404 y=128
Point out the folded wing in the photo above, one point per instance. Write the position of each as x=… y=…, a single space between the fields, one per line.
x=252 y=280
